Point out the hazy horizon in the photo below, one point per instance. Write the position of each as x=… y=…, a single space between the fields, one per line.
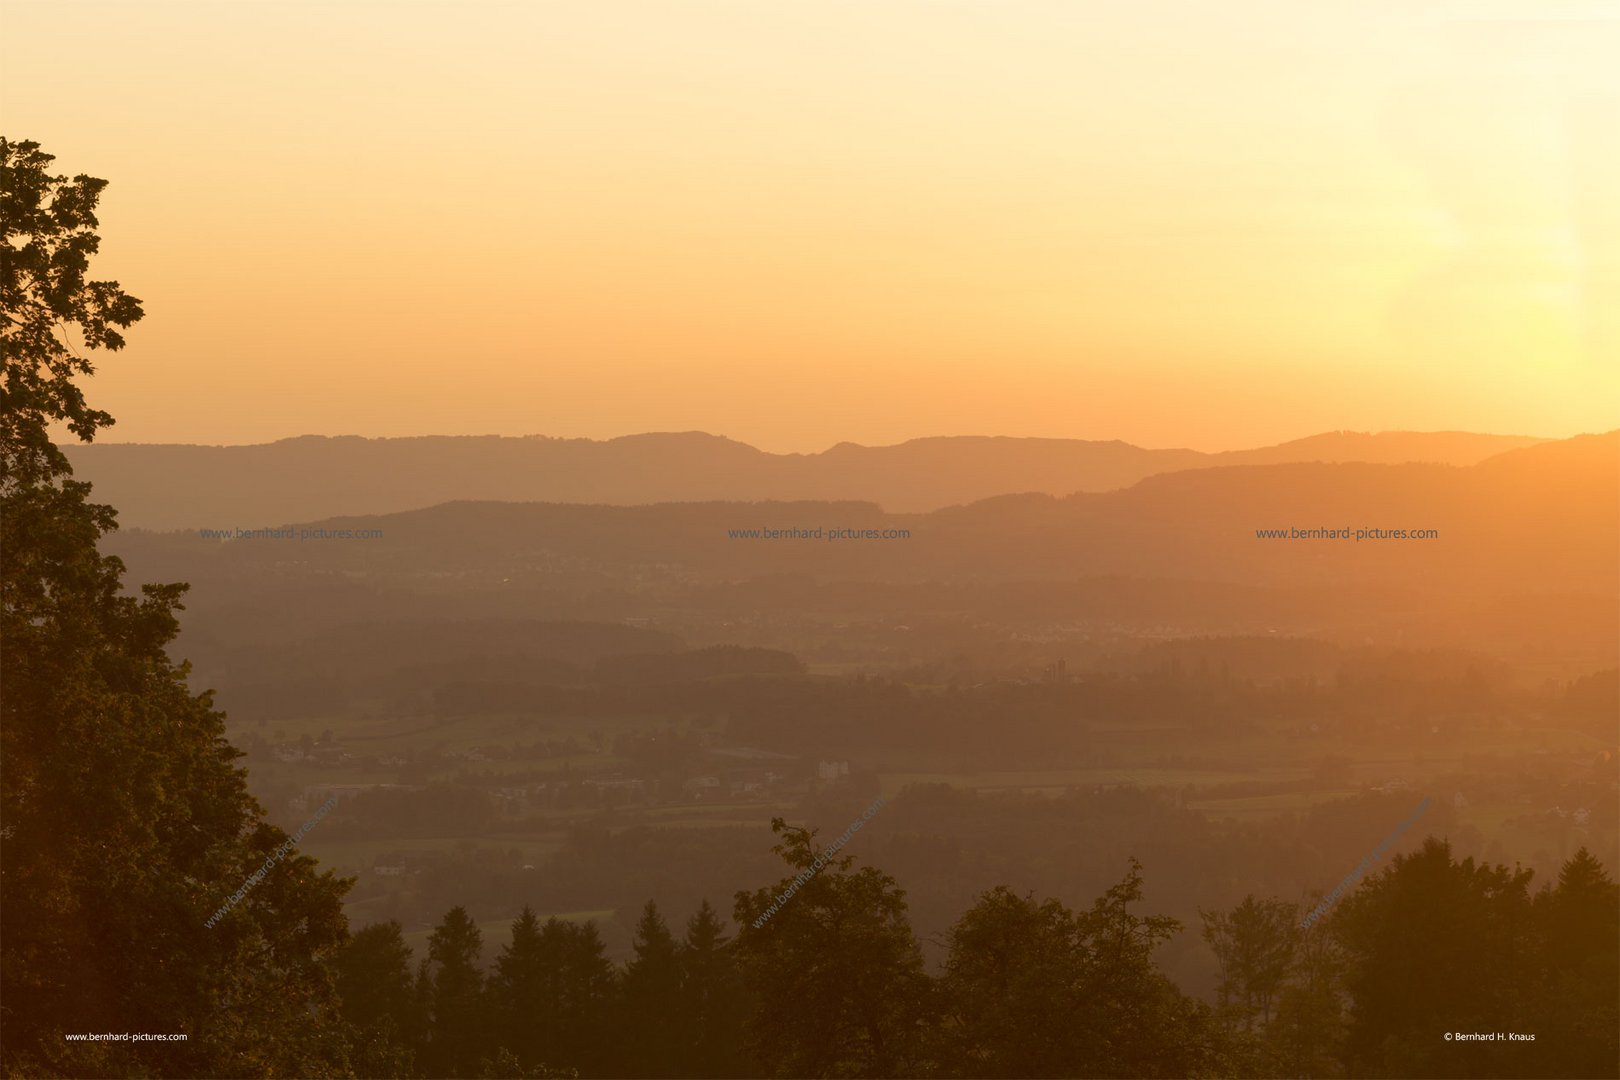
x=708 y=538
x=1172 y=224
x=821 y=448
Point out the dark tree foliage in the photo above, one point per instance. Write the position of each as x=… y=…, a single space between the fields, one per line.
x=1010 y=983
x=1439 y=945
x=378 y=996
x=553 y=996
x=457 y=1031
x=1579 y=1007
x=581 y=996
x=1033 y=988
x=714 y=1005
x=518 y=992
x=1036 y=990
x=1254 y=945
x=652 y=1022
x=126 y=823
x=835 y=973
x=1307 y=1036
x=49 y=226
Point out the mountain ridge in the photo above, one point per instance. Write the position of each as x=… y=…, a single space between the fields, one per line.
x=1541 y=519
x=177 y=485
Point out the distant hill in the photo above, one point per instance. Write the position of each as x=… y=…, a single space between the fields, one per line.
x=1539 y=519
x=179 y=486
x=507 y=593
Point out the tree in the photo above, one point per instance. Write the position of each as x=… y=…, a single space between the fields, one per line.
x=1142 y=1024
x=378 y=996
x=1035 y=989
x=1578 y=1012
x=1012 y=984
x=652 y=998
x=585 y=994
x=551 y=994
x=517 y=992
x=456 y=1024
x=1307 y=1036
x=47 y=224
x=127 y=823
x=1254 y=944
x=1437 y=945
x=713 y=1002
x=835 y=969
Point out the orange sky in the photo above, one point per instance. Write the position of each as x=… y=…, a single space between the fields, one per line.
x=1197 y=223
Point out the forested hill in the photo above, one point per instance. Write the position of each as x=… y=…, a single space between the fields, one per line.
x=182 y=486
x=1435 y=527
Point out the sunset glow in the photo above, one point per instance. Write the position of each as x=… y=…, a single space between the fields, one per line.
x=1193 y=224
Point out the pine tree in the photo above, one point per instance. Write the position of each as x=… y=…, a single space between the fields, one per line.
x=457 y=1031
x=378 y=999
x=1436 y=945
x=519 y=991
x=713 y=1003
x=552 y=998
x=1577 y=1012
x=651 y=996
x=588 y=996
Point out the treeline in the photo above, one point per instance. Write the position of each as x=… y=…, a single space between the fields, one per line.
x=833 y=984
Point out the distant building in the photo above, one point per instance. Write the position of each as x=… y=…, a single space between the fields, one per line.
x=830 y=771
x=699 y=786
x=754 y=783
x=511 y=801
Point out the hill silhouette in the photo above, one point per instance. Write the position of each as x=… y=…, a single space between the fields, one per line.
x=164 y=486
x=1541 y=518
x=1523 y=562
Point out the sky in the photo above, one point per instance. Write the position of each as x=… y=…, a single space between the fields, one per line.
x=1212 y=224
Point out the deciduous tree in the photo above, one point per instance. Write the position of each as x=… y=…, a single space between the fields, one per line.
x=835 y=972
x=126 y=822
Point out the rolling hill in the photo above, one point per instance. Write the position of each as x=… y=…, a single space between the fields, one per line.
x=303 y=479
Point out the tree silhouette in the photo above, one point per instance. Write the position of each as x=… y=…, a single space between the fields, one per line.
x=1578 y=1007
x=127 y=825
x=1254 y=944
x=457 y=1031
x=1436 y=945
x=651 y=991
x=836 y=972
x=378 y=996
x=713 y=1002
x=517 y=992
